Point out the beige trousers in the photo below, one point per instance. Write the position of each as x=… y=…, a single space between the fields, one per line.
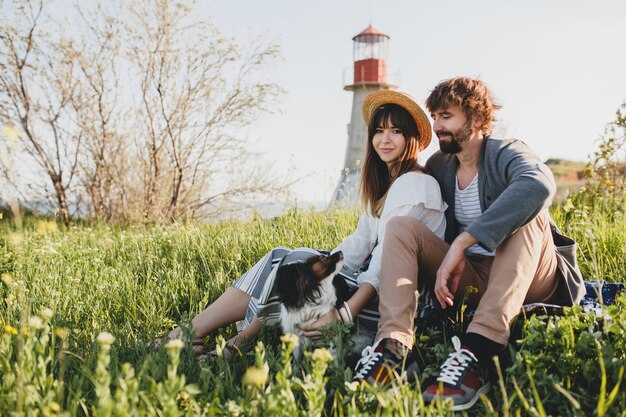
x=522 y=271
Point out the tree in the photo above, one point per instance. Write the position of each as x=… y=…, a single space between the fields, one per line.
x=36 y=83
x=197 y=88
x=99 y=107
x=138 y=112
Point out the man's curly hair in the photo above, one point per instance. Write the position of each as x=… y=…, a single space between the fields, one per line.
x=472 y=95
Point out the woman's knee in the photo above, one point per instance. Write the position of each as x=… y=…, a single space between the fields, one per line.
x=403 y=228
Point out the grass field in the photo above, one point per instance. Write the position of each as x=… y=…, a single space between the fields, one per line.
x=79 y=305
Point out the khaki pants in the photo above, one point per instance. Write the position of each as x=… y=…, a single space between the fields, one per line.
x=522 y=271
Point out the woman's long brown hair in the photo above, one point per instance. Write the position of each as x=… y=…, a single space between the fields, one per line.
x=376 y=178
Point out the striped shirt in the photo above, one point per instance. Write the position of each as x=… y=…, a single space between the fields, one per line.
x=467 y=209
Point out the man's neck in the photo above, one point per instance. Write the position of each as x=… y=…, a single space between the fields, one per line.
x=470 y=154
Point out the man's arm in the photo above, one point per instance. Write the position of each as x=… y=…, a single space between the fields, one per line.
x=530 y=190
x=452 y=266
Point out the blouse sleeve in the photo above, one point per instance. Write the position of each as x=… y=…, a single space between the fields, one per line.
x=415 y=195
x=358 y=246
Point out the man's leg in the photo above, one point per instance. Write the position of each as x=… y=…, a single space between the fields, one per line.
x=411 y=252
x=523 y=271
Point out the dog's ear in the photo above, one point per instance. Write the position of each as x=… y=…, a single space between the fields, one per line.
x=290 y=285
x=325 y=266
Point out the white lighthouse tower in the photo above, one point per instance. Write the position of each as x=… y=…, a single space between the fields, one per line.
x=370 y=74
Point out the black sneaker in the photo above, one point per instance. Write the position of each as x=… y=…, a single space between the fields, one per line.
x=378 y=366
x=462 y=379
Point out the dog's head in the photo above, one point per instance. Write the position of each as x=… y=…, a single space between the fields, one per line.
x=299 y=282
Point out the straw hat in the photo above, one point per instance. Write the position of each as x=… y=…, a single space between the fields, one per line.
x=378 y=98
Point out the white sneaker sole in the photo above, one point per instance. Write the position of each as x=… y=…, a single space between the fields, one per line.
x=482 y=390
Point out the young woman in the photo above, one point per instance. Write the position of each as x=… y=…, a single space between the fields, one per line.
x=392 y=184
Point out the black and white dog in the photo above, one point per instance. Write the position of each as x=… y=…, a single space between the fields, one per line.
x=309 y=289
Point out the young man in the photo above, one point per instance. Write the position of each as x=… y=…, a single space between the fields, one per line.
x=499 y=239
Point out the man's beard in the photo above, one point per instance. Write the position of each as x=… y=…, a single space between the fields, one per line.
x=457 y=137
x=451 y=147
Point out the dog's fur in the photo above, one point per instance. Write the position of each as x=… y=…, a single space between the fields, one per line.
x=309 y=289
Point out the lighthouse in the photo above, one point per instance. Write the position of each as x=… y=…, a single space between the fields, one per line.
x=369 y=74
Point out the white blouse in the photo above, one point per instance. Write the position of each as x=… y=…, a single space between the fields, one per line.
x=413 y=194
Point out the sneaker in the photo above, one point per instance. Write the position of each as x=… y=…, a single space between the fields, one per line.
x=378 y=366
x=461 y=379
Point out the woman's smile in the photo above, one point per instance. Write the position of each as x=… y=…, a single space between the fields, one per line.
x=389 y=143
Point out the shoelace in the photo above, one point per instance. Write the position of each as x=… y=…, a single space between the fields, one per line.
x=368 y=358
x=456 y=363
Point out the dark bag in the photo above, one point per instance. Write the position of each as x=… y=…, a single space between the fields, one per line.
x=571 y=288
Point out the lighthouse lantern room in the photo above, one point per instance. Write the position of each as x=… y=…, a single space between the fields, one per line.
x=370 y=56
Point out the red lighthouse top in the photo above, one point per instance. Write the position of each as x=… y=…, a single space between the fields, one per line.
x=371 y=30
x=370 y=56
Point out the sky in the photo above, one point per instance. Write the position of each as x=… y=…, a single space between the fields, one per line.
x=556 y=67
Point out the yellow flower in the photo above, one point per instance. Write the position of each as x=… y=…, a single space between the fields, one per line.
x=10 y=329
x=569 y=206
x=62 y=332
x=174 y=344
x=322 y=355
x=470 y=289
x=7 y=279
x=183 y=396
x=105 y=339
x=256 y=377
x=24 y=330
x=55 y=407
x=289 y=339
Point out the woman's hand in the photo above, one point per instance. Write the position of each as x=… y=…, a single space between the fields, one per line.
x=312 y=330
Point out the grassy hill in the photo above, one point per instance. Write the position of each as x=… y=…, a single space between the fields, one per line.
x=80 y=304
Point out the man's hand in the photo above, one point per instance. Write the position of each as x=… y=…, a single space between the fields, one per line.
x=312 y=330
x=451 y=268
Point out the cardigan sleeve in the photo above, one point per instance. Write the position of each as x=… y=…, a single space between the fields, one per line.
x=415 y=195
x=530 y=189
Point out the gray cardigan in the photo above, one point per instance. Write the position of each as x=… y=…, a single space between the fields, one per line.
x=514 y=186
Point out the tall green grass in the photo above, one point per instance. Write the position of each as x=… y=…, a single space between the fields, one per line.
x=79 y=305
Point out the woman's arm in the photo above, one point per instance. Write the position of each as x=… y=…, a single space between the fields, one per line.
x=357 y=247
x=363 y=295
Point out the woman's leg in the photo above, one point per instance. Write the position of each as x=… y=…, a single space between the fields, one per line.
x=233 y=304
x=410 y=250
x=229 y=308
